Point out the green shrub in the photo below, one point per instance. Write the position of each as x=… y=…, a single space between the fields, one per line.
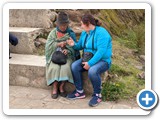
x=112 y=90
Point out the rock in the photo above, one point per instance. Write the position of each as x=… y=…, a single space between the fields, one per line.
x=115 y=75
x=52 y=16
x=42 y=41
x=35 y=18
x=142 y=57
x=37 y=43
x=139 y=67
x=77 y=30
x=105 y=76
x=141 y=75
x=74 y=15
x=110 y=76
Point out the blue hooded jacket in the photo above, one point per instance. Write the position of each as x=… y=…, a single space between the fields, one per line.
x=102 y=45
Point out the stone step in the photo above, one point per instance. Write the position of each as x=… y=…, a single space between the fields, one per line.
x=26 y=38
x=29 y=70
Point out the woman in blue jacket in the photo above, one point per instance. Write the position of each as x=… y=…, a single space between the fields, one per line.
x=96 y=43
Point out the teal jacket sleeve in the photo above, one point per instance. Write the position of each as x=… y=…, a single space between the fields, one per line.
x=79 y=45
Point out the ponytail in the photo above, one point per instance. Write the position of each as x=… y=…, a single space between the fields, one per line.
x=97 y=22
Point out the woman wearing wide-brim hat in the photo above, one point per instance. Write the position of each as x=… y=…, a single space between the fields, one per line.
x=56 y=74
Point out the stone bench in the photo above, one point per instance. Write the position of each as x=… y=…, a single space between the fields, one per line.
x=29 y=70
x=26 y=38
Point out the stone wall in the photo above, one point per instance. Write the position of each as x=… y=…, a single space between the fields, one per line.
x=35 y=18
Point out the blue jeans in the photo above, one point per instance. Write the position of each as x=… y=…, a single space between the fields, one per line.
x=94 y=73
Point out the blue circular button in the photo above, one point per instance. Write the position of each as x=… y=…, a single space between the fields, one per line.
x=147 y=99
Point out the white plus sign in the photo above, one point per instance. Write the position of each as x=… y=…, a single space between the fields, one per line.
x=147 y=99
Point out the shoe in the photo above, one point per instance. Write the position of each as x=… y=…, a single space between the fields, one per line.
x=95 y=100
x=54 y=96
x=63 y=94
x=75 y=95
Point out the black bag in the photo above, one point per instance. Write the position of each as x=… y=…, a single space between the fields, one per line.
x=86 y=56
x=59 y=58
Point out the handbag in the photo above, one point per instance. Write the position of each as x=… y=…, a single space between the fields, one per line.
x=59 y=58
x=88 y=55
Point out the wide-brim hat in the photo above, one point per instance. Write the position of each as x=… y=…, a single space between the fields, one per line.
x=62 y=18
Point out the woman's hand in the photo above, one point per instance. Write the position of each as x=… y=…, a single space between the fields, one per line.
x=65 y=51
x=86 y=66
x=61 y=44
x=70 y=42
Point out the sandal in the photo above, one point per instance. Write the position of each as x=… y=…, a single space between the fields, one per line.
x=63 y=94
x=54 y=96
